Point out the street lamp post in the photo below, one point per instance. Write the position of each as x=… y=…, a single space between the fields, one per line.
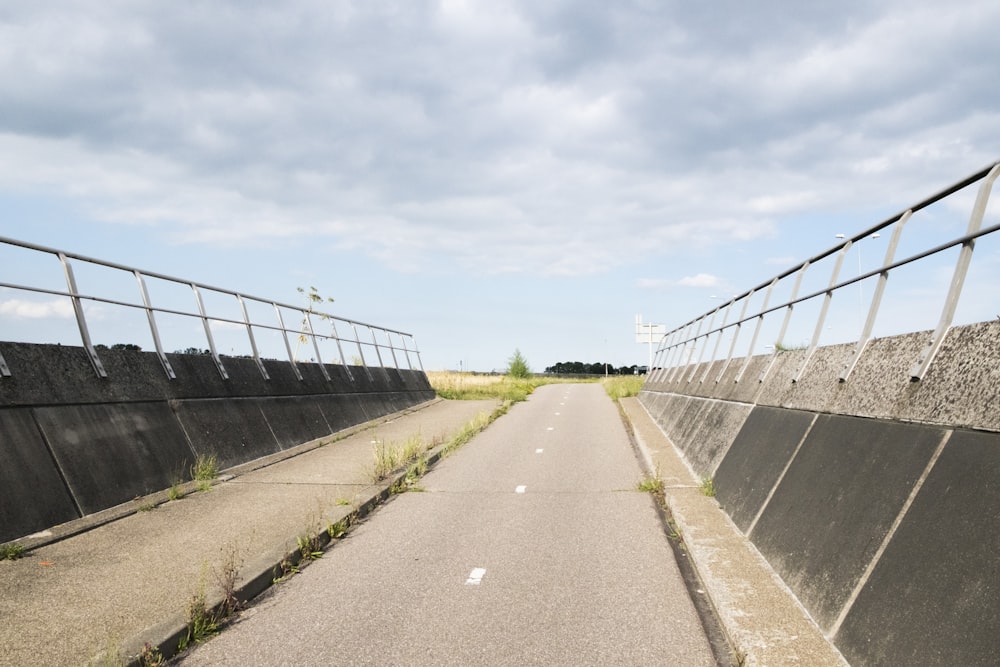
x=861 y=289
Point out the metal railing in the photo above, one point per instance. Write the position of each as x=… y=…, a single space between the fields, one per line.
x=683 y=349
x=394 y=345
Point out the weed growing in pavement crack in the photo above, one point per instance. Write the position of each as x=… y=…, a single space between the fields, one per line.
x=708 y=487
x=651 y=484
x=202 y=620
x=283 y=570
x=11 y=551
x=150 y=656
x=204 y=470
x=389 y=457
x=227 y=576
x=309 y=548
x=338 y=529
x=144 y=506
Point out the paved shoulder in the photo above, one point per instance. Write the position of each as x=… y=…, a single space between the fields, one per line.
x=96 y=591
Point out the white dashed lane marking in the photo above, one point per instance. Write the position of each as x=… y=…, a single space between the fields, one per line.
x=521 y=489
x=539 y=451
x=476 y=576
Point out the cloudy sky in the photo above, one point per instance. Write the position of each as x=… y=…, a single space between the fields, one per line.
x=486 y=175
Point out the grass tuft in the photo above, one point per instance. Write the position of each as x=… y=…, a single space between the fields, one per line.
x=623 y=386
x=309 y=548
x=390 y=457
x=204 y=470
x=202 y=621
x=651 y=484
x=11 y=551
x=150 y=656
x=144 y=506
x=708 y=487
x=338 y=529
x=477 y=387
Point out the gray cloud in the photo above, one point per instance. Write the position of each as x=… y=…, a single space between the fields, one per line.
x=496 y=134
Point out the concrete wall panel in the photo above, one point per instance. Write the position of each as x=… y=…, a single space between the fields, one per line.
x=753 y=463
x=109 y=454
x=961 y=386
x=718 y=424
x=688 y=422
x=836 y=503
x=818 y=388
x=674 y=408
x=294 y=419
x=26 y=466
x=342 y=411
x=778 y=387
x=746 y=390
x=934 y=597
x=232 y=430
x=881 y=378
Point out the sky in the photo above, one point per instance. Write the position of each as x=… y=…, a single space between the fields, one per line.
x=490 y=176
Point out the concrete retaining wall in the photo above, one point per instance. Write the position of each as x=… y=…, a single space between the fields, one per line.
x=72 y=444
x=876 y=500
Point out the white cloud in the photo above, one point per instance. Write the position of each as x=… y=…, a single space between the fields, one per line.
x=34 y=310
x=700 y=280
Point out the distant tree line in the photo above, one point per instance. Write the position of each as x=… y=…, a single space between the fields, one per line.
x=580 y=368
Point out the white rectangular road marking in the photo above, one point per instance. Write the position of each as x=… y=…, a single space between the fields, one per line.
x=476 y=576
x=539 y=451
x=520 y=489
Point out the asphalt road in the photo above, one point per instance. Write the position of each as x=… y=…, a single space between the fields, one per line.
x=529 y=546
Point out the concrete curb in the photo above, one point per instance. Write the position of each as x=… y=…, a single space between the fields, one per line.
x=764 y=622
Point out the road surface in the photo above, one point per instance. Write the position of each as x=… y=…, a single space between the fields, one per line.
x=528 y=546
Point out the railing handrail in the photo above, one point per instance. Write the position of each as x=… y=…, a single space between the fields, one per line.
x=181 y=281
x=305 y=330
x=933 y=199
x=670 y=353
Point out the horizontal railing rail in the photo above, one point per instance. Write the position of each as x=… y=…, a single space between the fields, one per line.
x=396 y=346
x=682 y=349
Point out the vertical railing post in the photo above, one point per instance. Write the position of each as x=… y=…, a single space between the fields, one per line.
x=704 y=346
x=340 y=350
x=785 y=322
x=756 y=331
x=406 y=351
x=827 y=297
x=678 y=357
x=361 y=353
x=378 y=353
x=883 y=278
x=736 y=334
x=208 y=333
x=253 y=342
x=660 y=361
x=152 y=327
x=718 y=341
x=288 y=345
x=392 y=349
x=957 y=279
x=694 y=347
x=653 y=374
x=416 y=351
x=315 y=342
x=81 y=322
